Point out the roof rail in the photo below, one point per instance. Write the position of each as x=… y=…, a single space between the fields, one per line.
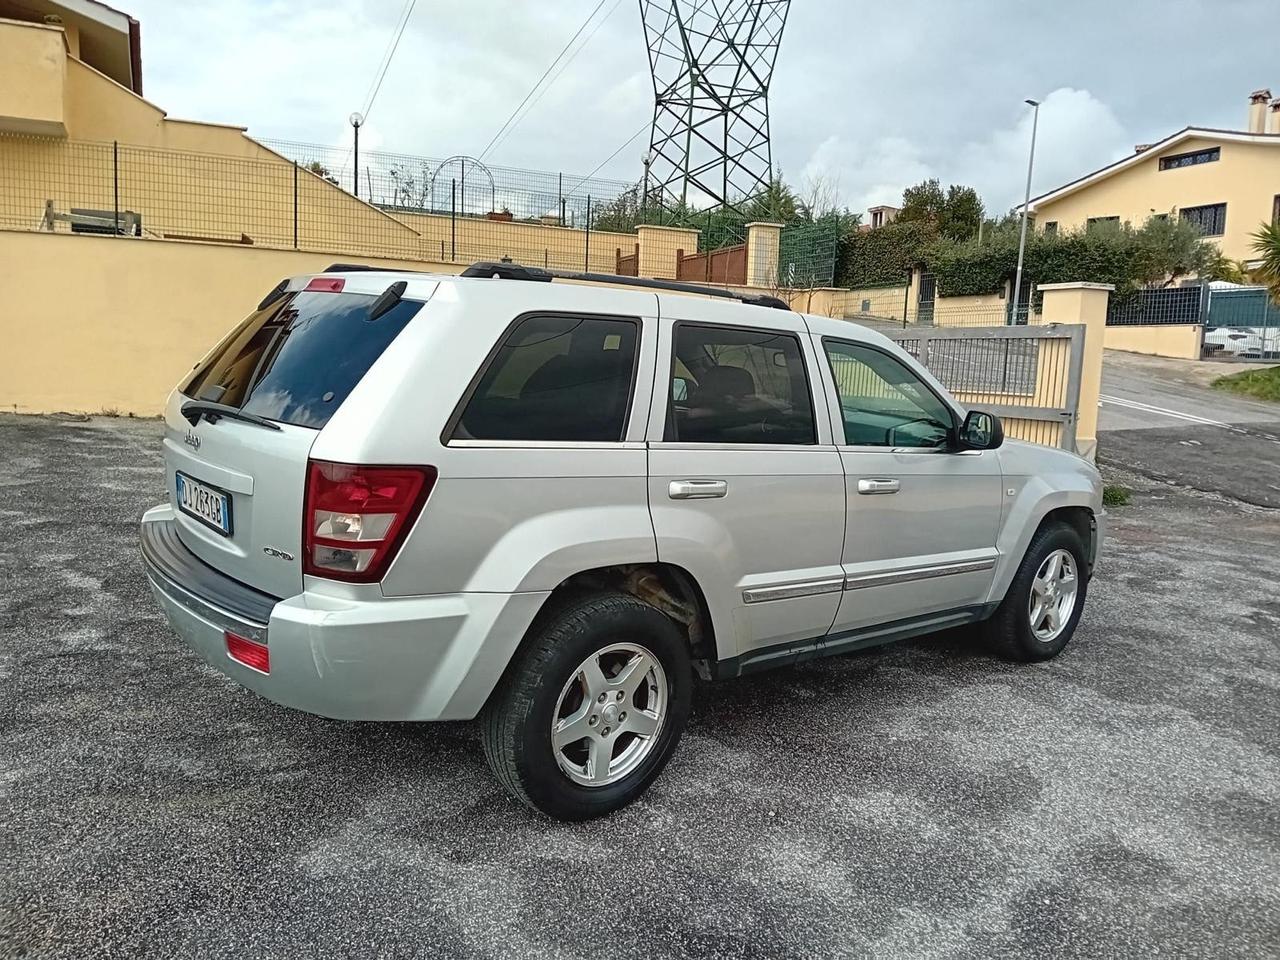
x=518 y=271
x=365 y=268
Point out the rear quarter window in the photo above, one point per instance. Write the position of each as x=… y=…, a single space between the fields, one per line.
x=297 y=360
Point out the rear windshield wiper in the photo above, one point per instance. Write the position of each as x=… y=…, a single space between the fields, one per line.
x=193 y=410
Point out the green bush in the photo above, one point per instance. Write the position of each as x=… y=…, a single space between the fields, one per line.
x=1159 y=252
x=884 y=255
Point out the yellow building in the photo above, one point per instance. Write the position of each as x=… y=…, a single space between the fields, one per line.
x=1227 y=182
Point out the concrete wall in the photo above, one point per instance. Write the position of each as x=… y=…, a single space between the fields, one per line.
x=1246 y=178
x=1180 y=340
x=32 y=67
x=103 y=323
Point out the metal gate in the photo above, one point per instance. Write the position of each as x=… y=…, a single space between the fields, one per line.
x=1029 y=376
x=925 y=301
x=1242 y=323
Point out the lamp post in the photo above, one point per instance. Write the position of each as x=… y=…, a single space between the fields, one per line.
x=1022 y=238
x=356 y=120
x=644 y=196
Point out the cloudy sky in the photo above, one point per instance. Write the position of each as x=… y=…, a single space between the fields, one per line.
x=871 y=94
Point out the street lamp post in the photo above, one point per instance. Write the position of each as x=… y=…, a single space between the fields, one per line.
x=356 y=120
x=1026 y=202
x=644 y=196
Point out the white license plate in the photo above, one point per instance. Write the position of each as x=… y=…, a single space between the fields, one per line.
x=210 y=506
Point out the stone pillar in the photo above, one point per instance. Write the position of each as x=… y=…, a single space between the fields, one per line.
x=763 y=244
x=1083 y=303
x=658 y=246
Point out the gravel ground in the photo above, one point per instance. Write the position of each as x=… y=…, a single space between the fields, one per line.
x=917 y=801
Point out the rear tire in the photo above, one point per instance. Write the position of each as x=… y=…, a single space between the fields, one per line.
x=592 y=709
x=1043 y=604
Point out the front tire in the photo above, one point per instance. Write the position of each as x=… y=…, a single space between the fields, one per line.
x=1042 y=607
x=592 y=708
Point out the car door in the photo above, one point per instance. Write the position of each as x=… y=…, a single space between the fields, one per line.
x=746 y=489
x=922 y=516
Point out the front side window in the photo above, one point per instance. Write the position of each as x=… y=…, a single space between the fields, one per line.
x=882 y=402
x=556 y=377
x=1210 y=220
x=732 y=385
x=1102 y=223
x=1050 y=228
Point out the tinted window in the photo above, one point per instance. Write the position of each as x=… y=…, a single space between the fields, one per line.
x=555 y=378
x=297 y=360
x=738 y=386
x=882 y=402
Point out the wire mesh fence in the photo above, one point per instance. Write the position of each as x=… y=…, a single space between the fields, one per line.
x=307 y=197
x=1160 y=306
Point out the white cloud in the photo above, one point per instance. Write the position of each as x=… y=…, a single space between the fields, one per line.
x=1077 y=133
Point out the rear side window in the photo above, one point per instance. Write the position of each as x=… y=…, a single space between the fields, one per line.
x=555 y=377
x=732 y=385
x=296 y=360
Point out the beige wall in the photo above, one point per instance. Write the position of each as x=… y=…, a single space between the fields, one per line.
x=1246 y=179
x=101 y=323
x=32 y=66
x=1182 y=340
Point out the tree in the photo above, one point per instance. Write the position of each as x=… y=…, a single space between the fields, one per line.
x=320 y=170
x=924 y=201
x=962 y=213
x=1266 y=243
x=1222 y=267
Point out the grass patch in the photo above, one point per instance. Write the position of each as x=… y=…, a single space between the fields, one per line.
x=1114 y=495
x=1261 y=384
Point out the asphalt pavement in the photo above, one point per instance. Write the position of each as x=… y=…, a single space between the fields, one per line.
x=1160 y=418
x=922 y=800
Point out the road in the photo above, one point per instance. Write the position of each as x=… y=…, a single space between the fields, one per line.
x=1161 y=419
x=918 y=801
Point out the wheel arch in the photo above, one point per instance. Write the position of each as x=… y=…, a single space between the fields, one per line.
x=667 y=587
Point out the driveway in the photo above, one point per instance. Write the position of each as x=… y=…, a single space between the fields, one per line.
x=918 y=801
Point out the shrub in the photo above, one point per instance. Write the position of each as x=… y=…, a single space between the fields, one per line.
x=884 y=255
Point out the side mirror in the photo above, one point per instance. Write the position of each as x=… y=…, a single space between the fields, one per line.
x=981 y=431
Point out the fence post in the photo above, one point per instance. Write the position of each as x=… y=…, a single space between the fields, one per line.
x=906 y=300
x=295 y=204
x=560 y=196
x=453 y=220
x=586 y=255
x=115 y=183
x=1086 y=304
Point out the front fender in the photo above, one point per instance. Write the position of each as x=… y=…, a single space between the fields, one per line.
x=1029 y=499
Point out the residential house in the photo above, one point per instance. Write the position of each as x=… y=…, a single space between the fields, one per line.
x=1227 y=182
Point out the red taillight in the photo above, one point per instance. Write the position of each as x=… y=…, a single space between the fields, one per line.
x=249 y=652
x=355 y=517
x=326 y=284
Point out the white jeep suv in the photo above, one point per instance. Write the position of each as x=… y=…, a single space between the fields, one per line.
x=400 y=496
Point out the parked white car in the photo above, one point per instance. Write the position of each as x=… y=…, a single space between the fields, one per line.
x=1246 y=342
x=398 y=496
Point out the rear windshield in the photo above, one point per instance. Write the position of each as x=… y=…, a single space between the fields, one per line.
x=296 y=360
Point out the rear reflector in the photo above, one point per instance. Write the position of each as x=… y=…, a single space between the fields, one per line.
x=326 y=284
x=355 y=517
x=249 y=652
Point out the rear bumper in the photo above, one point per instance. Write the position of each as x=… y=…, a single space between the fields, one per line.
x=405 y=658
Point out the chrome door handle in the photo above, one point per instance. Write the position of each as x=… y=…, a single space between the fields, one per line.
x=870 y=485
x=696 y=489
